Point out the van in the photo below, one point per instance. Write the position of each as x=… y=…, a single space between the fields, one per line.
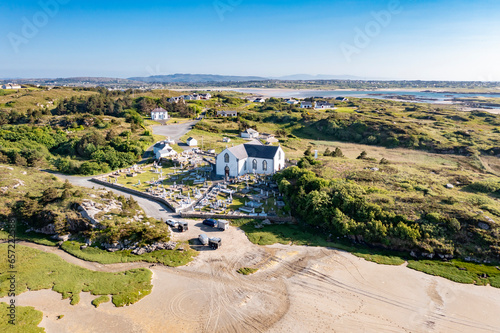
x=182 y=227
x=223 y=225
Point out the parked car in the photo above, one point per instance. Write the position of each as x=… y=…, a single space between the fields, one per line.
x=173 y=223
x=211 y=223
x=220 y=224
x=203 y=239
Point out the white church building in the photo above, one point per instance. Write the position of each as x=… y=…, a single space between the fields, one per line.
x=249 y=158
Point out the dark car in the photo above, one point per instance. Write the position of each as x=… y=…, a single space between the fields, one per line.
x=210 y=222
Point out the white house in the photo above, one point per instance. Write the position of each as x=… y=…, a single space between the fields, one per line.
x=159 y=114
x=206 y=96
x=259 y=100
x=227 y=113
x=250 y=158
x=166 y=152
x=194 y=97
x=176 y=99
x=307 y=105
x=292 y=101
x=11 y=86
x=324 y=105
x=192 y=142
x=250 y=134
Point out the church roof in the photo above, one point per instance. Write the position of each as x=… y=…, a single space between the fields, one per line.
x=252 y=150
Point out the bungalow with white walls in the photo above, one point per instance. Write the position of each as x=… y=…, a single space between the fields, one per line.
x=250 y=134
x=159 y=114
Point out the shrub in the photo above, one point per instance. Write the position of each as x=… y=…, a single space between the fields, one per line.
x=337 y=153
x=363 y=155
x=485 y=186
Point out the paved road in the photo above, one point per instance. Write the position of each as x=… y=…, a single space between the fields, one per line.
x=151 y=208
x=175 y=132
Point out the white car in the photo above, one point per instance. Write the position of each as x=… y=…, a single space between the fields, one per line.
x=172 y=223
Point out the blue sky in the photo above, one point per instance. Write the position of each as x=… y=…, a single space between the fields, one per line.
x=429 y=40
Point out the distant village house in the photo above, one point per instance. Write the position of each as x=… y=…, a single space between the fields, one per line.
x=11 y=86
x=307 y=105
x=324 y=105
x=227 y=113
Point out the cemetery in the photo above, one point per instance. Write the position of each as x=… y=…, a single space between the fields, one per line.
x=188 y=184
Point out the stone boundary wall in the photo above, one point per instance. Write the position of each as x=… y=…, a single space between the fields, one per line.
x=199 y=215
x=135 y=192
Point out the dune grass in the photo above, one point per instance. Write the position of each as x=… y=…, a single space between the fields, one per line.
x=27 y=320
x=460 y=271
x=247 y=270
x=99 y=300
x=454 y=270
x=172 y=258
x=37 y=270
x=307 y=236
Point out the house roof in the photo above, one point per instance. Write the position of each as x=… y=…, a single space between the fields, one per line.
x=253 y=150
x=190 y=139
x=160 y=145
x=159 y=110
x=167 y=150
x=250 y=131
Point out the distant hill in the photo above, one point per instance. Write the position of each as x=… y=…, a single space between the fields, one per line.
x=318 y=77
x=196 y=78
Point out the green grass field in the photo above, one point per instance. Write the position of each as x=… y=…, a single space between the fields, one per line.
x=37 y=270
x=27 y=320
x=172 y=258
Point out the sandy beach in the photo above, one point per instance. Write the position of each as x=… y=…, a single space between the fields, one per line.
x=297 y=289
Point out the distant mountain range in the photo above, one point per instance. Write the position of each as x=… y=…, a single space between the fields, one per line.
x=307 y=77
x=174 y=79
x=196 y=78
x=205 y=78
